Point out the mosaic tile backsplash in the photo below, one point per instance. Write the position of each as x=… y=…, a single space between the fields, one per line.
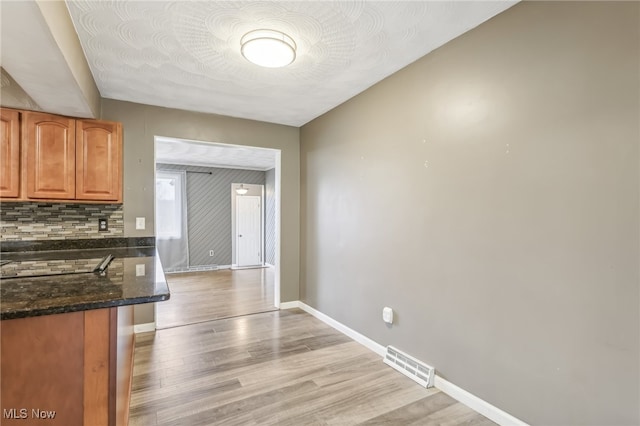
x=53 y=221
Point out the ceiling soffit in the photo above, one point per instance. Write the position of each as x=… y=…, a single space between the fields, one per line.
x=205 y=154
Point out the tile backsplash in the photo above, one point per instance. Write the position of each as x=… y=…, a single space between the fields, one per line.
x=53 y=221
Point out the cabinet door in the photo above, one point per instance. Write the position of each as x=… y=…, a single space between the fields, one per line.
x=41 y=366
x=48 y=156
x=98 y=160
x=9 y=153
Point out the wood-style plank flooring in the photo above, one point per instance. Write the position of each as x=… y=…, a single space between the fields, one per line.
x=276 y=368
x=210 y=295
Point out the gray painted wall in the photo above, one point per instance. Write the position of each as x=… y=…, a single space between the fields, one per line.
x=270 y=217
x=209 y=210
x=142 y=122
x=489 y=194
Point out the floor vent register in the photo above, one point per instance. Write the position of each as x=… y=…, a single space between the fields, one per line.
x=410 y=367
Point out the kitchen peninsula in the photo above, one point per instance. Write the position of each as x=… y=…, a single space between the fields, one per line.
x=67 y=326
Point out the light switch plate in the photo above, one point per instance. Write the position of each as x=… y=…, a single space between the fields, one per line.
x=140 y=223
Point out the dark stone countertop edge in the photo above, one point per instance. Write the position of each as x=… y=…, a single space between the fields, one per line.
x=40 y=248
x=27 y=312
x=76 y=244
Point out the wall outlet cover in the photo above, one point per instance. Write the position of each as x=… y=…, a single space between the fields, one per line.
x=140 y=270
x=387 y=315
x=103 y=225
x=140 y=223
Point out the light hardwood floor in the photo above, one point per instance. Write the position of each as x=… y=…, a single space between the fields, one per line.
x=210 y=295
x=276 y=368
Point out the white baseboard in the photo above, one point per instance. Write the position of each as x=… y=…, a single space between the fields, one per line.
x=289 y=305
x=479 y=405
x=363 y=340
x=143 y=328
x=238 y=268
x=204 y=268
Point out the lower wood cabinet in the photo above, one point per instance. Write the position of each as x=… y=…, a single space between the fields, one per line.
x=70 y=369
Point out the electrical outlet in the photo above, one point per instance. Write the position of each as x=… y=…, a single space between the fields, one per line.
x=210 y=252
x=140 y=223
x=387 y=315
x=103 y=225
x=140 y=270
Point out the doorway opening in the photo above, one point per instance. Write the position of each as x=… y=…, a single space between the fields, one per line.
x=219 y=249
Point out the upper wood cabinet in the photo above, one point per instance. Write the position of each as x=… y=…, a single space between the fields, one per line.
x=48 y=156
x=98 y=160
x=56 y=158
x=10 y=154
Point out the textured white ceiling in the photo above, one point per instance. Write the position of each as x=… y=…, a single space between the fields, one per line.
x=192 y=153
x=186 y=55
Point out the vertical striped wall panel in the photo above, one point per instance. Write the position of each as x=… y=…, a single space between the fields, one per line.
x=209 y=210
x=270 y=217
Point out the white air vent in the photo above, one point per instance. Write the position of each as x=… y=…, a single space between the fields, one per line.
x=410 y=367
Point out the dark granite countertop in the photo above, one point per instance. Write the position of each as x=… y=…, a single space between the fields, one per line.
x=135 y=276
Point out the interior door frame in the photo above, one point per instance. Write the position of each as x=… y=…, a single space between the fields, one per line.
x=261 y=232
x=257 y=190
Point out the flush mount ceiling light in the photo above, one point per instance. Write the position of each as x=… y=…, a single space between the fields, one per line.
x=242 y=190
x=268 y=48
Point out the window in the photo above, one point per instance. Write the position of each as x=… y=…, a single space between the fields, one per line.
x=169 y=204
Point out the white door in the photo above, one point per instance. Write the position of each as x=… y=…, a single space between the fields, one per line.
x=249 y=232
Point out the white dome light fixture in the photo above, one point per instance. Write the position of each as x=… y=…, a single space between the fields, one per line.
x=242 y=190
x=268 y=48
